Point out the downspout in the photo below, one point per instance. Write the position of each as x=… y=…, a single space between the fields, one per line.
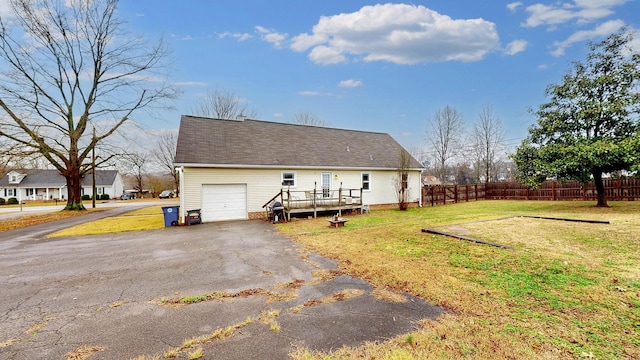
x=180 y=171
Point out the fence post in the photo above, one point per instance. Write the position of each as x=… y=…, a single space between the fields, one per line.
x=455 y=193
x=431 y=189
x=553 y=191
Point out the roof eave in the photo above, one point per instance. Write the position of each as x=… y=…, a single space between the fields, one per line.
x=292 y=167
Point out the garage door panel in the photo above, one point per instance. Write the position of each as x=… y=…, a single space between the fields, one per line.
x=224 y=202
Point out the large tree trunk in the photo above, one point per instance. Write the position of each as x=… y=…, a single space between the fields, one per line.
x=74 y=186
x=602 y=197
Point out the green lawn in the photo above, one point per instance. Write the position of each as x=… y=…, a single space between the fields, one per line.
x=566 y=290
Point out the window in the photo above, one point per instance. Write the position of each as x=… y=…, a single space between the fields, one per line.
x=366 y=181
x=10 y=192
x=289 y=179
x=13 y=179
x=99 y=190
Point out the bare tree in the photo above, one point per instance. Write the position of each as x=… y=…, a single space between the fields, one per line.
x=487 y=141
x=310 y=119
x=401 y=180
x=136 y=166
x=444 y=132
x=222 y=105
x=72 y=77
x=164 y=155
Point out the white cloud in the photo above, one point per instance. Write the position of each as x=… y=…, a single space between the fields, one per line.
x=516 y=46
x=350 y=83
x=542 y=67
x=514 y=6
x=398 y=33
x=581 y=11
x=238 y=36
x=278 y=115
x=604 y=29
x=271 y=36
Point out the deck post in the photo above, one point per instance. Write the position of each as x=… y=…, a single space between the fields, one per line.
x=315 y=196
x=340 y=199
x=289 y=203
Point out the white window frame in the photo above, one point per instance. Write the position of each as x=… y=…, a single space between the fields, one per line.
x=368 y=181
x=11 y=192
x=293 y=179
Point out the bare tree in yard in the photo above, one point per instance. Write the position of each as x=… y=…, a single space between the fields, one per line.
x=136 y=166
x=487 y=140
x=220 y=104
x=165 y=154
x=401 y=181
x=309 y=118
x=444 y=132
x=70 y=67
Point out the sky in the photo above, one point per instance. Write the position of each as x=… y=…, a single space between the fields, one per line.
x=383 y=67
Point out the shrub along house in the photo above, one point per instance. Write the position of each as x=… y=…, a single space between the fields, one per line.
x=234 y=169
x=37 y=184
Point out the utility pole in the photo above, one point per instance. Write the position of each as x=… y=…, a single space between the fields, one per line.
x=93 y=170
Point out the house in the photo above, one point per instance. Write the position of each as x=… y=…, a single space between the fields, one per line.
x=232 y=169
x=37 y=184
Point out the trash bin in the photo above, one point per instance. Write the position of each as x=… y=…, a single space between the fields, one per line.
x=170 y=215
x=193 y=217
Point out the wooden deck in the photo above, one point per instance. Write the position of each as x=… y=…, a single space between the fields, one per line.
x=315 y=201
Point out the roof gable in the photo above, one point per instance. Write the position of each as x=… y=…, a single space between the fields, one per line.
x=216 y=142
x=43 y=178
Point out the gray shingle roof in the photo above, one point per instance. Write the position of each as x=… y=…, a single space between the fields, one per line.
x=38 y=178
x=216 y=142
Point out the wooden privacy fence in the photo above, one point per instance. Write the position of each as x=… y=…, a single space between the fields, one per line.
x=615 y=189
x=449 y=194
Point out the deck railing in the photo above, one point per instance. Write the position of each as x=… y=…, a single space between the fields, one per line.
x=316 y=200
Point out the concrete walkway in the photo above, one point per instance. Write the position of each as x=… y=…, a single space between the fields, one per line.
x=109 y=294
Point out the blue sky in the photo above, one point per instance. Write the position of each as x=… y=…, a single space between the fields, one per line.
x=384 y=67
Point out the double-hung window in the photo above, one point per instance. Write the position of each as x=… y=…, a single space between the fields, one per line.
x=289 y=178
x=366 y=181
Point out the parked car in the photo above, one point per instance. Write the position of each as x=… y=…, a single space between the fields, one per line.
x=166 y=194
x=128 y=197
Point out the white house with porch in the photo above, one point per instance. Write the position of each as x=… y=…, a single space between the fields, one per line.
x=38 y=184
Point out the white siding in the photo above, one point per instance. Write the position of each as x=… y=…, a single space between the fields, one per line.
x=263 y=184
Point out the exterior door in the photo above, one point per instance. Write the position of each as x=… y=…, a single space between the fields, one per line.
x=326 y=184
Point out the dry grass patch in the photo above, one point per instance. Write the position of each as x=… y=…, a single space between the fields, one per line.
x=36 y=219
x=291 y=285
x=149 y=218
x=83 y=352
x=271 y=296
x=325 y=275
x=567 y=290
x=388 y=296
x=8 y=342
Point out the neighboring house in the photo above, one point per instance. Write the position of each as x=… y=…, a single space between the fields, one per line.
x=36 y=184
x=230 y=169
x=430 y=180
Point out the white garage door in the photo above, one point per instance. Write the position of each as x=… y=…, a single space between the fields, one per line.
x=224 y=202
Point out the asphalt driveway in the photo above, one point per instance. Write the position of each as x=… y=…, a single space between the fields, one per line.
x=112 y=295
